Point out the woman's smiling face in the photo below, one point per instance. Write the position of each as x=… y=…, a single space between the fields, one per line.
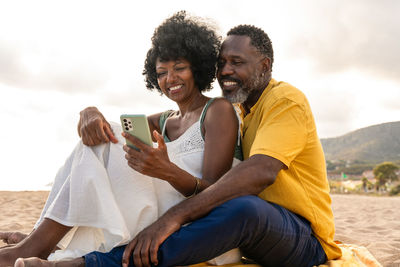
x=175 y=78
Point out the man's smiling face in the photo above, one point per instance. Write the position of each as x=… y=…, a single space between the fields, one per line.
x=239 y=68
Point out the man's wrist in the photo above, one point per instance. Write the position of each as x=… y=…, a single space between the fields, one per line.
x=177 y=215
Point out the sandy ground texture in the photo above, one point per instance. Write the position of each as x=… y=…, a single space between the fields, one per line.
x=373 y=222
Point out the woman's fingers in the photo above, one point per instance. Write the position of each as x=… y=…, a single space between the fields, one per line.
x=136 y=142
x=110 y=134
x=93 y=128
x=160 y=140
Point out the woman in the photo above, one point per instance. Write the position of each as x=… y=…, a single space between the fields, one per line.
x=97 y=202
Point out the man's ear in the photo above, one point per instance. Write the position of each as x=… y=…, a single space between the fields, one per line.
x=266 y=64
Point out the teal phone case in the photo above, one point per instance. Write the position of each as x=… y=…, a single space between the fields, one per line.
x=137 y=126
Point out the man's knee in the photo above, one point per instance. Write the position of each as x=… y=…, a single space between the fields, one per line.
x=244 y=207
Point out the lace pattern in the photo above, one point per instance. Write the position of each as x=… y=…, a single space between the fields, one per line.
x=189 y=142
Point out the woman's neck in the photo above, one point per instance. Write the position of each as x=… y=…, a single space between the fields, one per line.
x=192 y=104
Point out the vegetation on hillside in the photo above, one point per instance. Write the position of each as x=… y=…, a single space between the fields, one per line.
x=365 y=160
x=374 y=144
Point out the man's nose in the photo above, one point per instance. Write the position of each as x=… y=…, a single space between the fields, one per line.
x=225 y=69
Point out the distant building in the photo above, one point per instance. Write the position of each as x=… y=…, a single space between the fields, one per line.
x=369 y=174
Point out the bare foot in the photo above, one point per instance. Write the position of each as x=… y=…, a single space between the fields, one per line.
x=37 y=262
x=32 y=262
x=7 y=257
x=12 y=237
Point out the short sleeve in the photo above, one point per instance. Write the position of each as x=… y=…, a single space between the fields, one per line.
x=282 y=132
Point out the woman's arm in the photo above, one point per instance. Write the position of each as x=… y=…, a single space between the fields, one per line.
x=220 y=133
x=220 y=136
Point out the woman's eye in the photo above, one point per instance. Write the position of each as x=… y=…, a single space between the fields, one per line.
x=180 y=68
x=160 y=74
x=236 y=63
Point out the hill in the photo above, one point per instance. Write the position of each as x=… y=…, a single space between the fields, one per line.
x=373 y=144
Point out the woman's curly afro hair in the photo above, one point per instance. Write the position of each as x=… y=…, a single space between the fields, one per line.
x=183 y=37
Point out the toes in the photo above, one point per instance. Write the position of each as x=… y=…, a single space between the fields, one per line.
x=12 y=237
x=4 y=236
x=17 y=237
x=32 y=262
x=19 y=263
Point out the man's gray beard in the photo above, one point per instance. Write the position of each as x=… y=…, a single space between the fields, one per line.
x=241 y=95
x=238 y=97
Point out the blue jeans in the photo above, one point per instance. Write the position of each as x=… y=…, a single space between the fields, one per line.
x=265 y=232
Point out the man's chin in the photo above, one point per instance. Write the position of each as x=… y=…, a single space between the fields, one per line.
x=235 y=97
x=229 y=96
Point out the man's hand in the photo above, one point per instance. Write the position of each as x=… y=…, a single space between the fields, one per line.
x=149 y=161
x=144 y=246
x=93 y=128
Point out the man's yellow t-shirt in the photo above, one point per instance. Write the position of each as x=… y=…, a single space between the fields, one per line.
x=281 y=125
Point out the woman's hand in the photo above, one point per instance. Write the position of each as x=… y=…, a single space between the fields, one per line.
x=93 y=128
x=149 y=161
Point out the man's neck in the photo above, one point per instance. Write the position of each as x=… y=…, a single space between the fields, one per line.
x=253 y=97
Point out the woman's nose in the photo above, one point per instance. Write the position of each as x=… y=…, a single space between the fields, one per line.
x=171 y=77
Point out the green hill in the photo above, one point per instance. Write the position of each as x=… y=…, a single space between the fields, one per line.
x=372 y=144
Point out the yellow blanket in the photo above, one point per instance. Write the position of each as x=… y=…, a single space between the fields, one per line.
x=352 y=256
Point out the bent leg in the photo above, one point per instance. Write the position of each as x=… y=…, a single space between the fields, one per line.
x=280 y=237
x=265 y=232
x=40 y=243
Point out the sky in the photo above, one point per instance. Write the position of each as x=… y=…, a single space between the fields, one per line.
x=58 y=57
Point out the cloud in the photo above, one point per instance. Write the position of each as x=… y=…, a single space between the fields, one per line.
x=343 y=35
x=31 y=67
x=334 y=111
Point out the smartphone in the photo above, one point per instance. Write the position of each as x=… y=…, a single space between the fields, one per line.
x=137 y=126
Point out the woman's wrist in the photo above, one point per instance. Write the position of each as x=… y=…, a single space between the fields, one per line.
x=171 y=173
x=196 y=188
x=182 y=181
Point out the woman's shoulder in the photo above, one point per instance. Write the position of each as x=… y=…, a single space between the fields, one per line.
x=220 y=104
x=219 y=108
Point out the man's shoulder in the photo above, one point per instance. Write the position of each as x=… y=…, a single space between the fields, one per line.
x=281 y=90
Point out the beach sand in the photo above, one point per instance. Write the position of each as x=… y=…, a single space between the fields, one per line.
x=373 y=222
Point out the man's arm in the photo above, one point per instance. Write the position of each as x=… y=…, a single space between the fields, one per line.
x=249 y=177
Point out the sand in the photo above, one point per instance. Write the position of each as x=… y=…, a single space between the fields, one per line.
x=373 y=222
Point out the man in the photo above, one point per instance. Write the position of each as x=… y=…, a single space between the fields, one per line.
x=275 y=205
